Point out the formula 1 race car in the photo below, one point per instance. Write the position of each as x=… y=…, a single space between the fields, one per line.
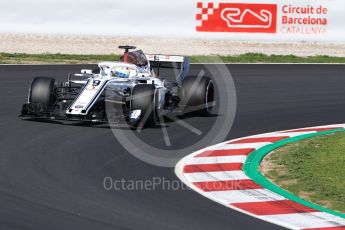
x=129 y=90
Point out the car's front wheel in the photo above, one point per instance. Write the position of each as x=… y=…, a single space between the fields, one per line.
x=42 y=92
x=143 y=99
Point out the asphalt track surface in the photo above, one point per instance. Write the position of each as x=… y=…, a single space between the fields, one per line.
x=51 y=175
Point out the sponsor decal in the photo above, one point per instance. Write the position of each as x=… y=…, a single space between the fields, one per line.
x=236 y=17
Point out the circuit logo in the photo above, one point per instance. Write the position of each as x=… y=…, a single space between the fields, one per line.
x=236 y=17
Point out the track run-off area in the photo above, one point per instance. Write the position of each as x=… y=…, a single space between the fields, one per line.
x=228 y=173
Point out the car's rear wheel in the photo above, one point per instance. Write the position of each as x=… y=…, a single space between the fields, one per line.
x=197 y=95
x=42 y=92
x=143 y=99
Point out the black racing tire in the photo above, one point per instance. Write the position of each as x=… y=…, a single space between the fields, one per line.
x=143 y=98
x=197 y=95
x=42 y=91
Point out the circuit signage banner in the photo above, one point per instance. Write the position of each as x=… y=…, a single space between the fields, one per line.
x=290 y=18
x=246 y=20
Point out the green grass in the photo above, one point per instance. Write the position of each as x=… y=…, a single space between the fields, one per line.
x=263 y=58
x=313 y=169
x=21 y=58
x=47 y=58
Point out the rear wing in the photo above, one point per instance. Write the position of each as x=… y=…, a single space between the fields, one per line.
x=179 y=63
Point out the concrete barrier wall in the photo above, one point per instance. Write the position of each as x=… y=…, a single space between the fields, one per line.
x=252 y=20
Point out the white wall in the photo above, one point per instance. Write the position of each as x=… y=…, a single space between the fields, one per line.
x=144 y=18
